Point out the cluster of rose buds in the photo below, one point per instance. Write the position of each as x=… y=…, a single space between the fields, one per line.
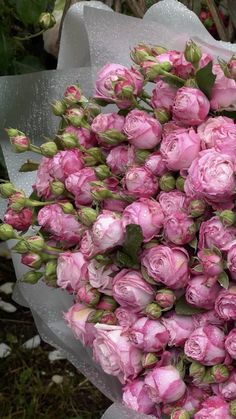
x=134 y=215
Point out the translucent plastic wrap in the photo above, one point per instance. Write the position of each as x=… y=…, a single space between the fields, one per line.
x=102 y=36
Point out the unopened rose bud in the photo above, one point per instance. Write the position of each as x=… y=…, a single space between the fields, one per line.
x=167 y=182
x=20 y=247
x=97 y=154
x=74 y=116
x=51 y=271
x=46 y=20
x=88 y=295
x=92 y=109
x=31 y=277
x=49 y=149
x=180 y=183
x=58 y=107
x=140 y=53
x=232 y=67
x=17 y=201
x=197 y=370
x=153 y=311
x=151 y=69
x=6 y=232
x=232 y=407
x=149 y=360
x=20 y=143
x=141 y=155
x=57 y=188
x=35 y=243
x=12 y=132
x=107 y=303
x=112 y=137
x=102 y=172
x=192 y=53
x=90 y=161
x=219 y=373
x=99 y=193
x=68 y=140
x=7 y=189
x=33 y=260
x=67 y=207
x=180 y=414
x=158 y=49
x=162 y=115
x=108 y=317
x=72 y=94
x=227 y=217
x=196 y=208
x=87 y=216
x=165 y=298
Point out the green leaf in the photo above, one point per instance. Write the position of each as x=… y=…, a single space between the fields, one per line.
x=147 y=277
x=223 y=280
x=197 y=268
x=173 y=82
x=124 y=261
x=133 y=241
x=186 y=309
x=206 y=79
x=227 y=112
x=29 y=166
x=29 y=64
x=29 y=12
x=193 y=244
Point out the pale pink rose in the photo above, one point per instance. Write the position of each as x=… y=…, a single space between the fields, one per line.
x=172 y=201
x=116 y=354
x=87 y=295
x=164 y=384
x=44 y=178
x=179 y=228
x=167 y=265
x=148 y=335
x=163 y=95
x=72 y=270
x=76 y=318
x=218 y=133
x=214 y=233
x=183 y=68
x=142 y=130
x=120 y=158
x=107 y=121
x=125 y=317
x=170 y=127
x=87 y=246
x=190 y=106
x=180 y=148
x=148 y=214
x=206 y=345
x=225 y=304
x=210 y=317
x=230 y=343
x=179 y=328
x=112 y=78
x=131 y=291
x=107 y=231
x=139 y=182
x=135 y=397
x=79 y=184
x=223 y=94
x=85 y=137
x=231 y=259
x=21 y=220
x=212 y=264
x=200 y=294
x=65 y=163
x=214 y=407
x=155 y=164
x=227 y=389
x=101 y=276
x=211 y=177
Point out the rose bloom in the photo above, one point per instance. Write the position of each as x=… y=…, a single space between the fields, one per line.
x=107 y=121
x=179 y=228
x=200 y=294
x=212 y=264
x=21 y=220
x=231 y=259
x=101 y=277
x=180 y=148
x=65 y=163
x=172 y=201
x=85 y=137
x=131 y=291
x=179 y=328
x=72 y=270
x=149 y=335
x=227 y=389
x=76 y=318
x=87 y=246
x=135 y=397
x=125 y=317
x=44 y=178
x=142 y=130
x=120 y=158
x=214 y=407
x=192 y=399
x=206 y=345
x=164 y=384
x=163 y=95
x=107 y=231
x=112 y=78
x=167 y=265
x=230 y=343
x=214 y=233
x=155 y=164
x=116 y=354
x=210 y=317
x=79 y=184
x=223 y=94
x=148 y=214
x=190 y=106
x=171 y=126
x=211 y=177
x=139 y=182
x=225 y=304
x=218 y=133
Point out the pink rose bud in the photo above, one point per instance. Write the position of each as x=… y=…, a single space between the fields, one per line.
x=142 y=130
x=72 y=270
x=212 y=408
x=206 y=345
x=165 y=298
x=179 y=328
x=120 y=158
x=139 y=182
x=153 y=311
x=79 y=184
x=21 y=221
x=218 y=133
x=135 y=397
x=83 y=136
x=149 y=360
x=20 y=143
x=140 y=53
x=167 y=265
x=104 y=125
x=219 y=373
x=196 y=208
x=87 y=295
x=125 y=317
x=116 y=354
x=223 y=94
x=227 y=389
x=155 y=164
x=77 y=319
x=164 y=384
x=172 y=201
x=214 y=234
x=107 y=231
x=225 y=304
x=163 y=95
x=107 y=303
x=74 y=116
x=167 y=182
x=108 y=318
x=17 y=201
x=230 y=343
x=180 y=414
x=72 y=94
x=197 y=371
x=190 y=106
x=33 y=260
x=212 y=264
x=131 y=291
x=179 y=228
x=66 y=163
x=200 y=294
x=148 y=335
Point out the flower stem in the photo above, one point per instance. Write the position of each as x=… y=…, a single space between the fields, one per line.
x=26 y=38
x=35 y=149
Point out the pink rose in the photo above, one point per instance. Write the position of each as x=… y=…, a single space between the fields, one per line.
x=214 y=407
x=200 y=294
x=101 y=276
x=125 y=317
x=44 y=178
x=112 y=79
x=155 y=164
x=212 y=264
x=179 y=328
x=231 y=259
x=79 y=184
x=211 y=177
x=72 y=94
x=224 y=90
x=142 y=130
x=116 y=354
x=116 y=205
x=172 y=201
x=21 y=221
x=214 y=233
x=76 y=318
x=87 y=246
x=85 y=137
x=33 y=260
x=147 y=214
x=135 y=397
x=230 y=343
x=193 y=398
x=170 y=127
x=227 y=389
x=107 y=231
x=139 y=182
x=206 y=345
x=65 y=163
x=120 y=158
x=190 y=106
x=164 y=384
x=225 y=304
x=72 y=270
x=163 y=95
x=107 y=121
x=131 y=291
x=203 y=319
x=180 y=148
x=148 y=335
x=179 y=228
x=218 y=133
x=167 y=265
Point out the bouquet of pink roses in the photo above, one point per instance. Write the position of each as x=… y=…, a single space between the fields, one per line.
x=133 y=213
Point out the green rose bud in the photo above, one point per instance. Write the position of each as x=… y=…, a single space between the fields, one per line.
x=7 y=189
x=87 y=216
x=17 y=201
x=180 y=183
x=153 y=311
x=35 y=243
x=6 y=232
x=20 y=247
x=197 y=370
x=196 y=208
x=141 y=155
x=162 y=115
x=158 y=49
x=149 y=360
x=58 y=107
x=46 y=20
x=232 y=407
x=112 y=137
x=192 y=53
x=219 y=373
x=31 y=277
x=227 y=217
x=180 y=414
x=51 y=271
x=67 y=207
x=102 y=172
x=167 y=182
x=57 y=188
x=49 y=149
x=68 y=140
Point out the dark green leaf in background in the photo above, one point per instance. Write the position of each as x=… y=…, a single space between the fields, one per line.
x=206 y=79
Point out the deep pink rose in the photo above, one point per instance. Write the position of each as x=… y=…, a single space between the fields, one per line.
x=179 y=328
x=125 y=317
x=231 y=259
x=227 y=389
x=212 y=264
x=230 y=343
x=214 y=407
x=140 y=182
x=76 y=318
x=203 y=319
x=172 y=201
x=142 y=130
x=206 y=345
x=85 y=137
x=167 y=265
x=107 y=231
x=101 y=276
x=180 y=148
x=44 y=178
x=87 y=246
x=163 y=95
x=135 y=397
x=225 y=304
x=116 y=354
x=190 y=106
x=148 y=335
x=218 y=133
x=21 y=220
x=155 y=164
x=79 y=184
x=214 y=233
x=72 y=270
x=164 y=384
x=147 y=213
x=200 y=294
x=65 y=163
x=131 y=291
x=179 y=228
x=224 y=90
x=33 y=260
x=120 y=158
